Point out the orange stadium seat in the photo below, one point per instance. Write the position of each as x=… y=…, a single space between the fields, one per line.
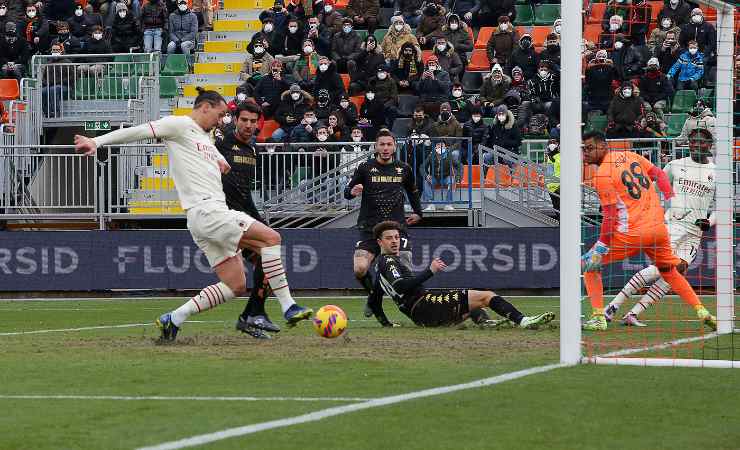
x=483 y=36
x=710 y=14
x=596 y=13
x=425 y=54
x=472 y=172
x=527 y=176
x=345 y=80
x=539 y=34
x=358 y=100
x=479 y=61
x=620 y=145
x=591 y=32
x=267 y=129
x=498 y=175
x=737 y=149
x=9 y=89
x=655 y=8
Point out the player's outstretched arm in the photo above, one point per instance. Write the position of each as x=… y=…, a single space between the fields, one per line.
x=405 y=285
x=662 y=180
x=86 y=145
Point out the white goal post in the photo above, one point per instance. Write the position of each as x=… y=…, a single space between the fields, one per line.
x=570 y=187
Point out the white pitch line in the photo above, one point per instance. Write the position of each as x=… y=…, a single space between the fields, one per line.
x=345 y=409
x=62 y=330
x=186 y=398
x=631 y=351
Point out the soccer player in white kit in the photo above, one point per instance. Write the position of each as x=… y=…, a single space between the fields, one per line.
x=196 y=167
x=693 y=181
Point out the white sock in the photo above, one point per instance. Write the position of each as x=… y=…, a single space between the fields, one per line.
x=658 y=290
x=209 y=297
x=272 y=264
x=638 y=281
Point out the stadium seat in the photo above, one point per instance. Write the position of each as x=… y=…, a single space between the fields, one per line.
x=267 y=129
x=384 y=17
x=120 y=87
x=546 y=14
x=598 y=123
x=737 y=149
x=425 y=54
x=380 y=34
x=484 y=35
x=620 y=145
x=592 y=31
x=175 y=65
x=498 y=175
x=524 y=15
x=683 y=101
x=406 y=105
x=655 y=7
x=479 y=61
x=526 y=176
x=345 y=80
x=362 y=34
x=472 y=81
x=401 y=126
x=596 y=13
x=9 y=89
x=539 y=35
x=675 y=123
x=299 y=174
x=470 y=176
x=706 y=95
x=358 y=100
x=342 y=4
x=168 y=87
x=135 y=66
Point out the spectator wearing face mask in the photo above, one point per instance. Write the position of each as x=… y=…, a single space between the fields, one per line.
x=700 y=116
x=627 y=59
x=502 y=42
x=278 y=14
x=398 y=34
x=494 y=88
x=410 y=10
x=4 y=16
x=609 y=36
x=153 y=21
x=439 y=170
x=655 y=88
x=14 y=52
x=36 y=30
x=551 y=52
x=289 y=47
x=624 y=113
x=267 y=35
x=420 y=122
x=256 y=65
x=328 y=78
x=293 y=104
x=57 y=81
x=543 y=91
x=97 y=45
x=126 y=34
x=487 y=13
x=658 y=35
x=653 y=126
x=434 y=85
x=638 y=20
x=372 y=115
x=330 y=18
x=447 y=126
x=679 y=11
x=71 y=43
x=110 y=14
x=348 y=110
x=82 y=22
x=456 y=32
x=669 y=52
x=476 y=129
x=517 y=93
x=386 y=91
x=346 y=46
x=183 y=27
x=460 y=106
x=688 y=71
x=701 y=32
x=304 y=131
x=430 y=27
x=502 y=132
x=269 y=89
x=324 y=104
x=620 y=8
x=364 y=13
x=525 y=56
x=553 y=182
x=449 y=59
x=407 y=68
x=598 y=91
x=365 y=66
x=305 y=68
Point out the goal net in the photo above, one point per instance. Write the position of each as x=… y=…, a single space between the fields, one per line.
x=651 y=164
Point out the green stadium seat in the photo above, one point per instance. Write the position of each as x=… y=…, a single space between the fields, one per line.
x=362 y=34
x=706 y=94
x=675 y=123
x=524 y=15
x=300 y=173
x=127 y=70
x=380 y=34
x=683 y=101
x=84 y=88
x=168 y=87
x=546 y=14
x=175 y=65
x=120 y=88
x=598 y=123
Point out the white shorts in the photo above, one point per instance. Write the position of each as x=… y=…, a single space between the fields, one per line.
x=217 y=230
x=685 y=245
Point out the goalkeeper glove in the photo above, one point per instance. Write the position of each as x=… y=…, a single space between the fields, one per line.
x=591 y=260
x=703 y=224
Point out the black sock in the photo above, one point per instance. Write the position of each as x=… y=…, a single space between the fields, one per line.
x=506 y=309
x=256 y=304
x=478 y=316
x=367 y=282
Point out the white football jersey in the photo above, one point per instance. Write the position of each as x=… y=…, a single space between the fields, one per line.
x=694 y=185
x=193 y=157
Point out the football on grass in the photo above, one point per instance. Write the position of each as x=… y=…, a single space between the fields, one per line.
x=330 y=321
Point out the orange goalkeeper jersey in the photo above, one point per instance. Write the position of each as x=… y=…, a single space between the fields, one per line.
x=622 y=180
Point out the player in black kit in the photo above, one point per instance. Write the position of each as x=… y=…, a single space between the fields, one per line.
x=236 y=145
x=438 y=307
x=381 y=182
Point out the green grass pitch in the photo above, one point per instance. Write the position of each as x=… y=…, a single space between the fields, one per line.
x=583 y=407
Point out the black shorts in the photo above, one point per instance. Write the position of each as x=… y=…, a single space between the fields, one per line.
x=440 y=307
x=368 y=243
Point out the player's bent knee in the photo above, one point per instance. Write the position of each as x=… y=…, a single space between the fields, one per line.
x=664 y=269
x=682 y=267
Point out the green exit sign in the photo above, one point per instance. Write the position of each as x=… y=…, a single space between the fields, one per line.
x=97 y=125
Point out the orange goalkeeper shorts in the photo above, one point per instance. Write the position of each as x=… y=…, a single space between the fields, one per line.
x=654 y=242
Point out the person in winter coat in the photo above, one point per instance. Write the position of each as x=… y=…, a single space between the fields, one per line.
x=551 y=52
x=293 y=104
x=348 y=110
x=622 y=9
x=476 y=129
x=305 y=68
x=125 y=34
x=57 y=81
x=346 y=46
x=502 y=132
x=679 y=11
x=598 y=91
x=434 y=85
x=699 y=117
x=670 y=50
x=624 y=113
x=366 y=64
x=259 y=64
x=639 y=18
x=10 y=11
x=543 y=91
x=338 y=131
x=372 y=115
x=304 y=131
x=407 y=68
x=97 y=45
x=267 y=34
x=330 y=18
x=72 y=45
x=449 y=59
x=502 y=43
x=14 y=52
x=153 y=21
x=657 y=36
x=183 y=27
x=517 y=93
x=525 y=57
x=269 y=89
x=364 y=14
x=328 y=78
x=447 y=126
x=421 y=123
x=689 y=69
x=35 y=29
x=627 y=59
x=81 y=23
x=384 y=86
x=655 y=88
x=288 y=46
x=457 y=34
x=487 y=13
x=494 y=88
x=398 y=34
x=701 y=32
x=279 y=15
x=460 y=106
x=439 y=169
x=203 y=10
x=430 y=27
x=652 y=126
x=608 y=37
